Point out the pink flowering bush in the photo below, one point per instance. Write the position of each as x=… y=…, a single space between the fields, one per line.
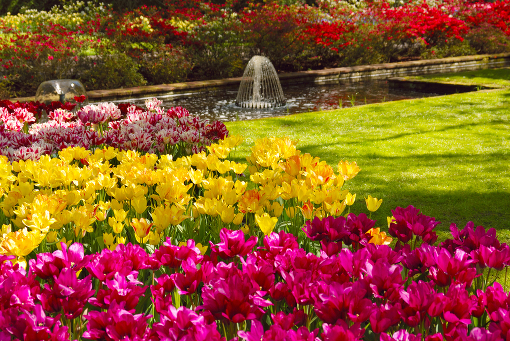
x=127 y=127
x=270 y=289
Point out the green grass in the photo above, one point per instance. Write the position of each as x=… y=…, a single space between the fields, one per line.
x=448 y=156
x=492 y=78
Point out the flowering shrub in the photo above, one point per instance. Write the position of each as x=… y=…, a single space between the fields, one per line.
x=274 y=291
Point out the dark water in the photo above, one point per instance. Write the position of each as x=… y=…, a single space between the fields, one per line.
x=219 y=105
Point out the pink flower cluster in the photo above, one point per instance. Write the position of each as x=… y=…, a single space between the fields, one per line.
x=278 y=291
x=125 y=126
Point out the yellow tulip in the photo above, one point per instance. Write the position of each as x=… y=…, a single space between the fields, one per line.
x=250 y=201
x=378 y=237
x=266 y=223
x=238 y=168
x=350 y=199
x=199 y=160
x=176 y=214
x=373 y=204
x=336 y=208
x=117 y=226
x=223 y=167
x=348 y=170
x=63 y=240
x=292 y=165
x=139 y=204
x=240 y=187
x=232 y=141
x=230 y=197
x=203 y=249
x=108 y=239
x=154 y=238
x=390 y=220
x=218 y=150
x=120 y=214
x=291 y=212
x=161 y=217
x=51 y=237
x=142 y=228
x=307 y=210
x=20 y=243
x=277 y=209
x=227 y=214
x=40 y=221
x=238 y=219
x=196 y=176
x=245 y=229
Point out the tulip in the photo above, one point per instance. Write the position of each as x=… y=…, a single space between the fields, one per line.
x=373 y=204
x=233 y=244
x=489 y=256
x=349 y=199
x=142 y=228
x=307 y=210
x=266 y=223
x=348 y=170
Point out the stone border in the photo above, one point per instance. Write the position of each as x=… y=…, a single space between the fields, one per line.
x=354 y=73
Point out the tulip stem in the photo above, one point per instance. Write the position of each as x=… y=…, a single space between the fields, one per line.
x=506 y=272
x=488 y=279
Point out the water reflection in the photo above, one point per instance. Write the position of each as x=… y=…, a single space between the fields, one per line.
x=220 y=105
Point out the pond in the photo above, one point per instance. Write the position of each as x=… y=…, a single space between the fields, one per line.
x=219 y=105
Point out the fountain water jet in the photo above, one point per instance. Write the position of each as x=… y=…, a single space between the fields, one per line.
x=260 y=86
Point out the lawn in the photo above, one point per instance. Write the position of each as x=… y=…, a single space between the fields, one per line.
x=492 y=78
x=448 y=156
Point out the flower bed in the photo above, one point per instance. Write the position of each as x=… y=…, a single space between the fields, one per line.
x=277 y=291
x=126 y=127
x=116 y=244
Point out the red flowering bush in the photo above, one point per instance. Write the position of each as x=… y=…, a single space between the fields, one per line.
x=277 y=31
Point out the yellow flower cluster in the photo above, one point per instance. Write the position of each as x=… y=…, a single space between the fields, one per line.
x=109 y=197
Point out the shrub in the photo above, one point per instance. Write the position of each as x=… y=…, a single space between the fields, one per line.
x=276 y=31
x=454 y=48
x=14 y=6
x=165 y=65
x=487 y=39
x=110 y=69
x=31 y=58
x=215 y=47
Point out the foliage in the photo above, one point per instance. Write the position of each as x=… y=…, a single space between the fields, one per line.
x=14 y=6
x=217 y=39
x=109 y=70
x=486 y=39
x=165 y=65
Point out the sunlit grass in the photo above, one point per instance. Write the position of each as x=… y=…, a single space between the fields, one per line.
x=494 y=78
x=448 y=156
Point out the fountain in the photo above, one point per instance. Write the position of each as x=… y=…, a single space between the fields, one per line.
x=63 y=90
x=260 y=86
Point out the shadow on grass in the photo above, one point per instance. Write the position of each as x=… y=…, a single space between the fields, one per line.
x=449 y=207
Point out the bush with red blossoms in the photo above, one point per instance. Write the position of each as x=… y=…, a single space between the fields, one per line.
x=126 y=127
x=270 y=289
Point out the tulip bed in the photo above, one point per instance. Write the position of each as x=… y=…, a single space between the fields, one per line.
x=120 y=244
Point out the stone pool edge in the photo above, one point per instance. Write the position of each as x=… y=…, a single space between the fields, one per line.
x=353 y=73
